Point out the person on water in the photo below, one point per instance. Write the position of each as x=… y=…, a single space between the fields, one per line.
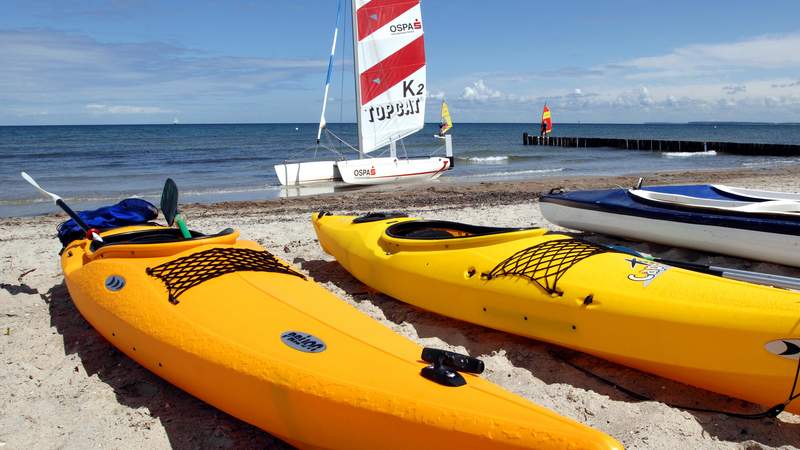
x=543 y=133
x=442 y=129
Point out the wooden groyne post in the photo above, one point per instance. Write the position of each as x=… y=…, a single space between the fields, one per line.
x=659 y=145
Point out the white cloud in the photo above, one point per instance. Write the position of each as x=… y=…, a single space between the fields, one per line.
x=439 y=95
x=762 y=52
x=63 y=72
x=789 y=84
x=479 y=92
x=750 y=79
x=635 y=97
x=96 y=108
x=734 y=89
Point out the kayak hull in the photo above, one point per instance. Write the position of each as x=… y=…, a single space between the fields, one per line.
x=702 y=330
x=618 y=213
x=227 y=341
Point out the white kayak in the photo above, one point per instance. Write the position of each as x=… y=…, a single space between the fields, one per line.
x=698 y=217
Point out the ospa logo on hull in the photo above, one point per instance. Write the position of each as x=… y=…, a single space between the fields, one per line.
x=364 y=172
x=303 y=342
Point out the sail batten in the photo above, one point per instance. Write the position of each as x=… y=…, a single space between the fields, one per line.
x=390 y=70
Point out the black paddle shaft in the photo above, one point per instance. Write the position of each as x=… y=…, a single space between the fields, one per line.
x=61 y=204
x=690 y=266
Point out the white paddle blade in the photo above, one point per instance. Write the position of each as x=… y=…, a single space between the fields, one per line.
x=33 y=183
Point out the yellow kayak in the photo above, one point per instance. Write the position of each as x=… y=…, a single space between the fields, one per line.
x=727 y=336
x=239 y=328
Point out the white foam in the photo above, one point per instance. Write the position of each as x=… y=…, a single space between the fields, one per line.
x=770 y=162
x=487 y=159
x=518 y=172
x=689 y=154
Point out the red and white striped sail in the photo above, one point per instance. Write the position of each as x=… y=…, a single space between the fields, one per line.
x=390 y=70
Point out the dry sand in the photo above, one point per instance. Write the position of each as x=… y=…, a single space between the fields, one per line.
x=64 y=386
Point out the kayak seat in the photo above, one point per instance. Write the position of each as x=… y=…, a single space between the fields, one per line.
x=158 y=235
x=442 y=229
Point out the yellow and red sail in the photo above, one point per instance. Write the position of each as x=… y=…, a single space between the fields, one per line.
x=447 y=122
x=547 y=121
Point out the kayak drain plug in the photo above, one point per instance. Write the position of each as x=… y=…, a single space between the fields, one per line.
x=445 y=366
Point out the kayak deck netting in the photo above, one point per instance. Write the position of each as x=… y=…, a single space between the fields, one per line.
x=184 y=273
x=545 y=263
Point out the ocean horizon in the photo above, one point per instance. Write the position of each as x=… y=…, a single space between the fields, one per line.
x=93 y=165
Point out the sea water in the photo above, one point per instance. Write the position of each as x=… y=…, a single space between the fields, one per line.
x=95 y=165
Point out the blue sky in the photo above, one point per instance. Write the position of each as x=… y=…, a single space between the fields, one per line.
x=203 y=61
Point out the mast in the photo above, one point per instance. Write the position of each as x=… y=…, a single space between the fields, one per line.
x=322 y=122
x=357 y=76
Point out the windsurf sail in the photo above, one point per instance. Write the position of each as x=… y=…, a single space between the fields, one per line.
x=547 y=121
x=389 y=51
x=447 y=123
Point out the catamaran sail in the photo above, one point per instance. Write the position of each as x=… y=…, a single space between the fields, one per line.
x=390 y=62
x=389 y=56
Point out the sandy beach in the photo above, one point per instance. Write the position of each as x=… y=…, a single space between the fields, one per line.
x=64 y=386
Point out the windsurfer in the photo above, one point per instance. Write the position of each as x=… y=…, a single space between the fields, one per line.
x=547 y=122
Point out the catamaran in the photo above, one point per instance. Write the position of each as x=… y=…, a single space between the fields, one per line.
x=391 y=92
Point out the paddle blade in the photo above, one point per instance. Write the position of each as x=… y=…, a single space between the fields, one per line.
x=169 y=201
x=41 y=190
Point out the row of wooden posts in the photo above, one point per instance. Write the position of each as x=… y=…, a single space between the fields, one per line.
x=659 y=145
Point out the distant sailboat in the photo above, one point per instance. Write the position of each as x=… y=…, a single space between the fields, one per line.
x=175 y=121
x=547 y=121
x=389 y=55
x=447 y=123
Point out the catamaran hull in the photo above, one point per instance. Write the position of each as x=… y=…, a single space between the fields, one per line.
x=371 y=171
x=746 y=243
x=307 y=172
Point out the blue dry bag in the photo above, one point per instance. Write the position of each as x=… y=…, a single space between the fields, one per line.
x=131 y=211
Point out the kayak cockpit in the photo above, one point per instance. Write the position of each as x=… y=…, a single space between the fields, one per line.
x=445 y=235
x=442 y=229
x=154 y=235
x=150 y=241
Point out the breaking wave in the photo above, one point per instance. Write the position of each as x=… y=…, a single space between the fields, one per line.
x=689 y=154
